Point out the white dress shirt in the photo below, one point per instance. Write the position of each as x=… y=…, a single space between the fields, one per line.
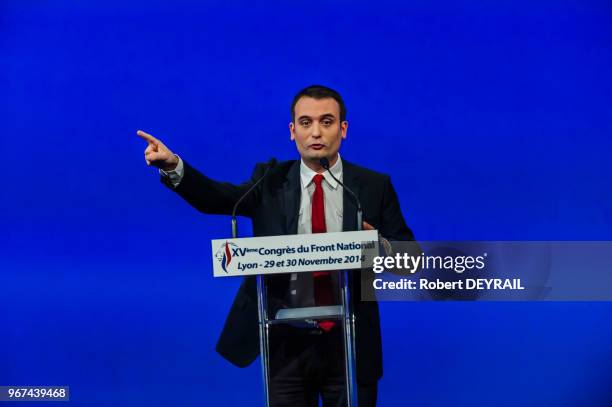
x=332 y=195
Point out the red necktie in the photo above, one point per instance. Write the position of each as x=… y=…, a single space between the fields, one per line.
x=322 y=279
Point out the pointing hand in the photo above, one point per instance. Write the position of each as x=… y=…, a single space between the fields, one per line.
x=157 y=154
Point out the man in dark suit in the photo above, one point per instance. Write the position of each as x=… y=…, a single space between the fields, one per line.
x=300 y=197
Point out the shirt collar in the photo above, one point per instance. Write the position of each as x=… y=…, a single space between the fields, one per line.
x=307 y=174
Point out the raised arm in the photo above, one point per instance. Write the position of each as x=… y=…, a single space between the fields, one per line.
x=203 y=193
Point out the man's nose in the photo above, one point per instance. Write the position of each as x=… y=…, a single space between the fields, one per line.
x=316 y=130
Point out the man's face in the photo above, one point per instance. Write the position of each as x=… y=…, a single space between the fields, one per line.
x=317 y=130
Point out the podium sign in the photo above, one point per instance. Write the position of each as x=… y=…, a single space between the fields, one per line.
x=293 y=253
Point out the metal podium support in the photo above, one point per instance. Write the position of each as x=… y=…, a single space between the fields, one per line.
x=343 y=313
x=262 y=304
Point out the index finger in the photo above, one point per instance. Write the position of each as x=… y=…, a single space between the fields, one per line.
x=149 y=138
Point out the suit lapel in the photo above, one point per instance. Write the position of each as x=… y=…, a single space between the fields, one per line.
x=292 y=188
x=349 y=206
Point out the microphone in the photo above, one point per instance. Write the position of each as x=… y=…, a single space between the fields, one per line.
x=271 y=163
x=325 y=164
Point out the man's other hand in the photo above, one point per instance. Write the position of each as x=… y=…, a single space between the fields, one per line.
x=157 y=154
x=386 y=245
x=367 y=226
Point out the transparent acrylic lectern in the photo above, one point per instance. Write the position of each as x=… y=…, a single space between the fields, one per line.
x=342 y=312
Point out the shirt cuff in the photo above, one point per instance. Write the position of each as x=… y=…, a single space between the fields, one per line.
x=176 y=175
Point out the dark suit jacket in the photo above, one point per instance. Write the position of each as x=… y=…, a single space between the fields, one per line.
x=273 y=207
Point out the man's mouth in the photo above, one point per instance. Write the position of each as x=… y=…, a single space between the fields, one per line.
x=317 y=146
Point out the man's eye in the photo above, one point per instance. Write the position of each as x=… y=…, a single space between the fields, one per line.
x=305 y=122
x=326 y=122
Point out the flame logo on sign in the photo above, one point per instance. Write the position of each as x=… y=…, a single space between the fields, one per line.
x=224 y=255
x=227 y=258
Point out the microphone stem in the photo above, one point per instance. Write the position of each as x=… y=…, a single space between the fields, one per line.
x=325 y=165
x=269 y=165
x=234 y=227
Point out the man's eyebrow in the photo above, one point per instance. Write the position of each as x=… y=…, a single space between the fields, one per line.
x=323 y=116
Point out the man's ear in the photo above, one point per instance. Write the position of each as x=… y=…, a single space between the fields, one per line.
x=292 y=131
x=344 y=128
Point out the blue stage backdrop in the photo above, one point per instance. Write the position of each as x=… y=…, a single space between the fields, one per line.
x=493 y=118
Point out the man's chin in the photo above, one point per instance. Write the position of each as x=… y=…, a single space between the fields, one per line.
x=315 y=155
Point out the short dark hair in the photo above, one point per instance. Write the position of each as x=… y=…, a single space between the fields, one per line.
x=319 y=92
